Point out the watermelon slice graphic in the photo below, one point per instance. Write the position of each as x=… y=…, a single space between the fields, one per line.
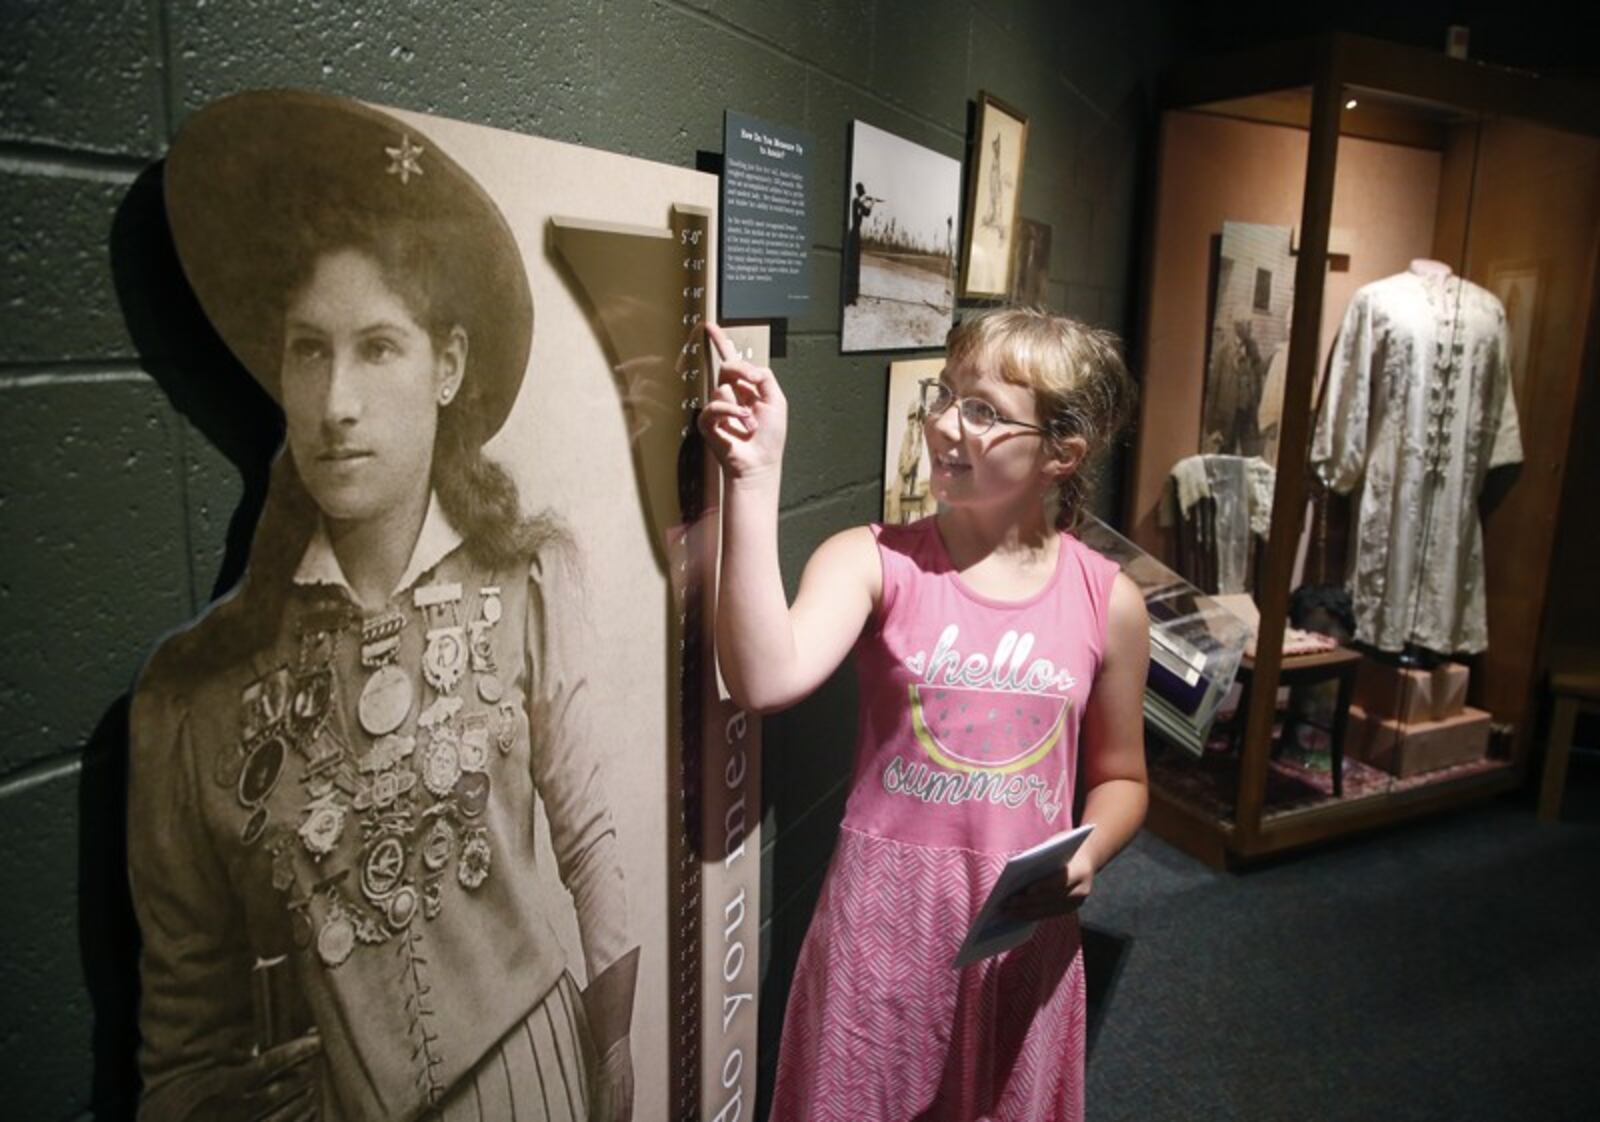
x=986 y=730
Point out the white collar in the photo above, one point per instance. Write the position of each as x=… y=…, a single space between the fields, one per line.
x=436 y=541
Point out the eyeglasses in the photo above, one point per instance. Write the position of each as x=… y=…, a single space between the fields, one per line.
x=977 y=415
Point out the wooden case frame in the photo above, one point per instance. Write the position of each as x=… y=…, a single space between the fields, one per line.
x=1519 y=534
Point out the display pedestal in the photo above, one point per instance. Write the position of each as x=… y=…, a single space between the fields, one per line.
x=1395 y=693
x=1410 y=748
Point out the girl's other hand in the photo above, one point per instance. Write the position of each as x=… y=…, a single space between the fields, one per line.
x=746 y=419
x=1060 y=894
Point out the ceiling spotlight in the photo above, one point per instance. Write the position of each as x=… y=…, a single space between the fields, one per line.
x=1351 y=104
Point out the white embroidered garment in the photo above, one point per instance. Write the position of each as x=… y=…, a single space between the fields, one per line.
x=1418 y=407
x=1240 y=488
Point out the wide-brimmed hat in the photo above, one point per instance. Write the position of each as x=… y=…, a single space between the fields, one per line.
x=252 y=177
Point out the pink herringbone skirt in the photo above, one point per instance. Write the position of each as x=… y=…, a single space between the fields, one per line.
x=880 y=1028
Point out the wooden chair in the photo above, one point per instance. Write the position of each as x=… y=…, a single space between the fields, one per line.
x=1575 y=687
x=1196 y=538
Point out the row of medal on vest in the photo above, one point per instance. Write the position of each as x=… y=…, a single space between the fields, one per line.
x=287 y=709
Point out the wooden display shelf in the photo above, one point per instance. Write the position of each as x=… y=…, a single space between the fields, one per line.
x=1208 y=833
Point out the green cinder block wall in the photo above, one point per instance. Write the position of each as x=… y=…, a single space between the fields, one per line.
x=127 y=491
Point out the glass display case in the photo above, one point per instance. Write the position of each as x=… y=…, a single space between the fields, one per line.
x=1368 y=302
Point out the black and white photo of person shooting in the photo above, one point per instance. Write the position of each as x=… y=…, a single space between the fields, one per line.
x=900 y=243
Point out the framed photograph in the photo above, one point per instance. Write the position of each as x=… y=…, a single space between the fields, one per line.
x=996 y=182
x=1516 y=284
x=1030 y=272
x=906 y=497
x=1249 y=343
x=410 y=825
x=899 y=244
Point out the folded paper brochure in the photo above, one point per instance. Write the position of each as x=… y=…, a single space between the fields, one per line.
x=993 y=931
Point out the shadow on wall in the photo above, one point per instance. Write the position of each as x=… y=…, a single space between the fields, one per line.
x=220 y=402
x=205 y=384
x=108 y=937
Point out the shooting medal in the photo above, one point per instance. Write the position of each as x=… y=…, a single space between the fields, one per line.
x=383 y=869
x=489 y=688
x=322 y=828
x=472 y=867
x=311 y=704
x=481 y=648
x=490 y=604
x=484 y=670
x=262 y=770
x=336 y=939
x=438 y=845
x=472 y=793
x=475 y=743
x=401 y=908
x=507 y=720
x=385 y=701
x=254 y=826
x=441 y=763
x=380 y=638
x=445 y=658
x=262 y=704
x=388 y=753
x=440 y=712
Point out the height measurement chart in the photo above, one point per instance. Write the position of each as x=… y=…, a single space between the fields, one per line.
x=766 y=190
x=713 y=884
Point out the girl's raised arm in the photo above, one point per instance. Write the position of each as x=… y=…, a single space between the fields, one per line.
x=772 y=654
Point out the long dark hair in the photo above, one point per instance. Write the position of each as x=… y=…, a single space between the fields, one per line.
x=414 y=255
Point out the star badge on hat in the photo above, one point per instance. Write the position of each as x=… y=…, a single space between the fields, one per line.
x=404 y=160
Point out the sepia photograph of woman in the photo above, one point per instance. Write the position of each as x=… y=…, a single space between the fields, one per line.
x=340 y=774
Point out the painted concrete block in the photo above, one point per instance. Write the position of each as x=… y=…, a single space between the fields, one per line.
x=666 y=75
x=81 y=76
x=96 y=565
x=528 y=68
x=836 y=411
x=56 y=285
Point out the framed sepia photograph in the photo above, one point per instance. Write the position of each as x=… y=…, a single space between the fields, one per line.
x=899 y=244
x=906 y=468
x=1516 y=284
x=1030 y=272
x=1242 y=408
x=410 y=824
x=995 y=184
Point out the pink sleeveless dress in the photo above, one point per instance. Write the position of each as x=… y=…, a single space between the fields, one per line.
x=966 y=752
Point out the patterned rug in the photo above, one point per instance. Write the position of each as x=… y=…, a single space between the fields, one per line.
x=1294 y=782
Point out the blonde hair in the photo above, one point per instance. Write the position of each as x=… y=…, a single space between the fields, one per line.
x=1079 y=381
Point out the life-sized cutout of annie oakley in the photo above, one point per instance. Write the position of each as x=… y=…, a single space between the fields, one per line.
x=334 y=773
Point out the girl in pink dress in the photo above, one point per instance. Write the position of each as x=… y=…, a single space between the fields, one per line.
x=1002 y=666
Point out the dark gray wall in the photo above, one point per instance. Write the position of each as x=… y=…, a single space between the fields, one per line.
x=129 y=479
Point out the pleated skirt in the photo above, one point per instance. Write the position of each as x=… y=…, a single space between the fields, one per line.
x=539 y=1072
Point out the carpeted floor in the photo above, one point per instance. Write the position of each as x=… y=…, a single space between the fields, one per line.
x=1448 y=969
